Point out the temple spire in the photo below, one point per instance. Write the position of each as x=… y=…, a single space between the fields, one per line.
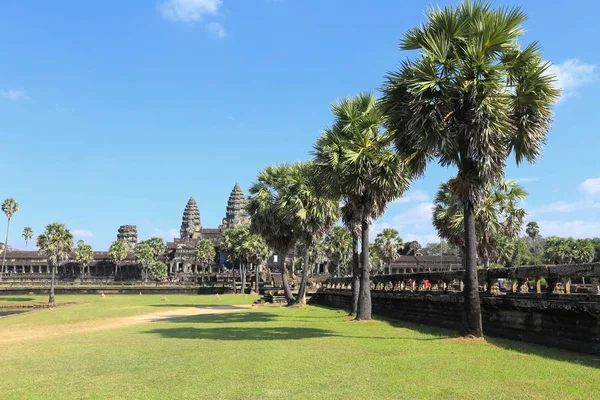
x=236 y=208
x=190 y=222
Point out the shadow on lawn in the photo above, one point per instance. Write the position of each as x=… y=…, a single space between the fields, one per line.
x=229 y=318
x=18 y=299
x=263 y=333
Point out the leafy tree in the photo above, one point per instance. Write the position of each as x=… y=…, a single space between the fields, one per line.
x=233 y=242
x=533 y=231
x=356 y=164
x=27 y=235
x=444 y=249
x=498 y=215
x=158 y=270
x=205 y=253
x=56 y=244
x=158 y=246
x=387 y=244
x=596 y=244
x=9 y=207
x=470 y=98
x=83 y=255
x=568 y=250
x=145 y=254
x=377 y=264
x=117 y=253
x=268 y=217
x=338 y=246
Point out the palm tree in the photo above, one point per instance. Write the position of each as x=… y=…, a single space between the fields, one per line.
x=338 y=245
x=145 y=254
x=83 y=255
x=311 y=213
x=117 y=253
x=259 y=253
x=9 y=207
x=267 y=216
x=351 y=220
x=498 y=217
x=533 y=231
x=205 y=253
x=387 y=244
x=56 y=244
x=27 y=235
x=355 y=162
x=470 y=98
x=233 y=244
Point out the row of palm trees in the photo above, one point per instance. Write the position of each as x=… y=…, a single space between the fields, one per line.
x=470 y=98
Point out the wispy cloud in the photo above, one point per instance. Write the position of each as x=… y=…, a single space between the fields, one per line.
x=590 y=186
x=576 y=229
x=82 y=233
x=527 y=179
x=413 y=219
x=216 y=29
x=188 y=10
x=566 y=206
x=572 y=75
x=167 y=235
x=14 y=94
x=413 y=196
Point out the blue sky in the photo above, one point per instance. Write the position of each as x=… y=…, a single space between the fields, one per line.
x=115 y=112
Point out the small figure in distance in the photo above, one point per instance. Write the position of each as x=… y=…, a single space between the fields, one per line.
x=217 y=296
x=102 y=295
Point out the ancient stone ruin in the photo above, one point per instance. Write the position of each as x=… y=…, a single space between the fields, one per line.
x=128 y=235
x=190 y=222
x=236 y=209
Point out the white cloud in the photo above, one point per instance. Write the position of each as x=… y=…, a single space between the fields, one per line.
x=413 y=196
x=417 y=217
x=167 y=235
x=566 y=206
x=590 y=186
x=216 y=29
x=526 y=180
x=576 y=229
x=81 y=233
x=14 y=94
x=188 y=10
x=571 y=75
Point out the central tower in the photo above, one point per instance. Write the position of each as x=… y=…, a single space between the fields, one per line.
x=190 y=223
x=236 y=209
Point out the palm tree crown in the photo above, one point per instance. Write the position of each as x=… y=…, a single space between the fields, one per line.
x=55 y=243
x=27 y=235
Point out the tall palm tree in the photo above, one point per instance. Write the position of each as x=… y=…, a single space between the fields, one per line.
x=497 y=217
x=338 y=244
x=259 y=253
x=355 y=162
x=9 y=207
x=387 y=244
x=83 y=255
x=351 y=220
x=145 y=254
x=117 y=253
x=311 y=213
x=267 y=216
x=27 y=235
x=205 y=253
x=56 y=244
x=470 y=98
x=533 y=231
x=234 y=245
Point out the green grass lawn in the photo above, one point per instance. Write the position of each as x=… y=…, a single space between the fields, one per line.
x=271 y=352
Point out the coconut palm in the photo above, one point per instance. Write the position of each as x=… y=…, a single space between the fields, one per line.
x=497 y=218
x=9 y=207
x=355 y=162
x=205 y=253
x=387 y=244
x=311 y=213
x=56 y=244
x=267 y=216
x=471 y=98
x=117 y=253
x=83 y=255
x=533 y=231
x=338 y=246
x=27 y=235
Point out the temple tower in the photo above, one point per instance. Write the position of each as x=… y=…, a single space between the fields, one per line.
x=190 y=223
x=236 y=209
x=128 y=235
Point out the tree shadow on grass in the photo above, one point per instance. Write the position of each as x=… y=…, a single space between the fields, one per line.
x=18 y=299
x=266 y=333
x=226 y=318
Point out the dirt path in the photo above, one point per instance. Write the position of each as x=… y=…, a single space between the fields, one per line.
x=115 y=323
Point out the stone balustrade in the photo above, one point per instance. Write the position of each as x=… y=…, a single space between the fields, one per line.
x=555 y=279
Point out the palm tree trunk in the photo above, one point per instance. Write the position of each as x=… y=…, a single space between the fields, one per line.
x=471 y=324
x=234 y=286
x=256 y=276
x=363 y=312
x=51 y=298
x=301 y=298
x=355 y=274
x=5 y=249
x=243 y=272
x=286 y=286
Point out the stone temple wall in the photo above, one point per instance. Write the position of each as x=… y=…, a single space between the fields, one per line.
x=570 y=322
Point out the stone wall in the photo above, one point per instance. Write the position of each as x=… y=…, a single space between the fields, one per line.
x=570 y=322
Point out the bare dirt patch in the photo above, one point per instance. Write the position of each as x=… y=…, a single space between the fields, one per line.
x=115 y=323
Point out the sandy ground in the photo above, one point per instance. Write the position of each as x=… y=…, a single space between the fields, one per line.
x=115 y=323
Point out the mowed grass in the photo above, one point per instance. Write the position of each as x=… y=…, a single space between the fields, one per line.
x=273 y=352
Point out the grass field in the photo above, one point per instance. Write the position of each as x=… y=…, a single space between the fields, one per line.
x=82 y=351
